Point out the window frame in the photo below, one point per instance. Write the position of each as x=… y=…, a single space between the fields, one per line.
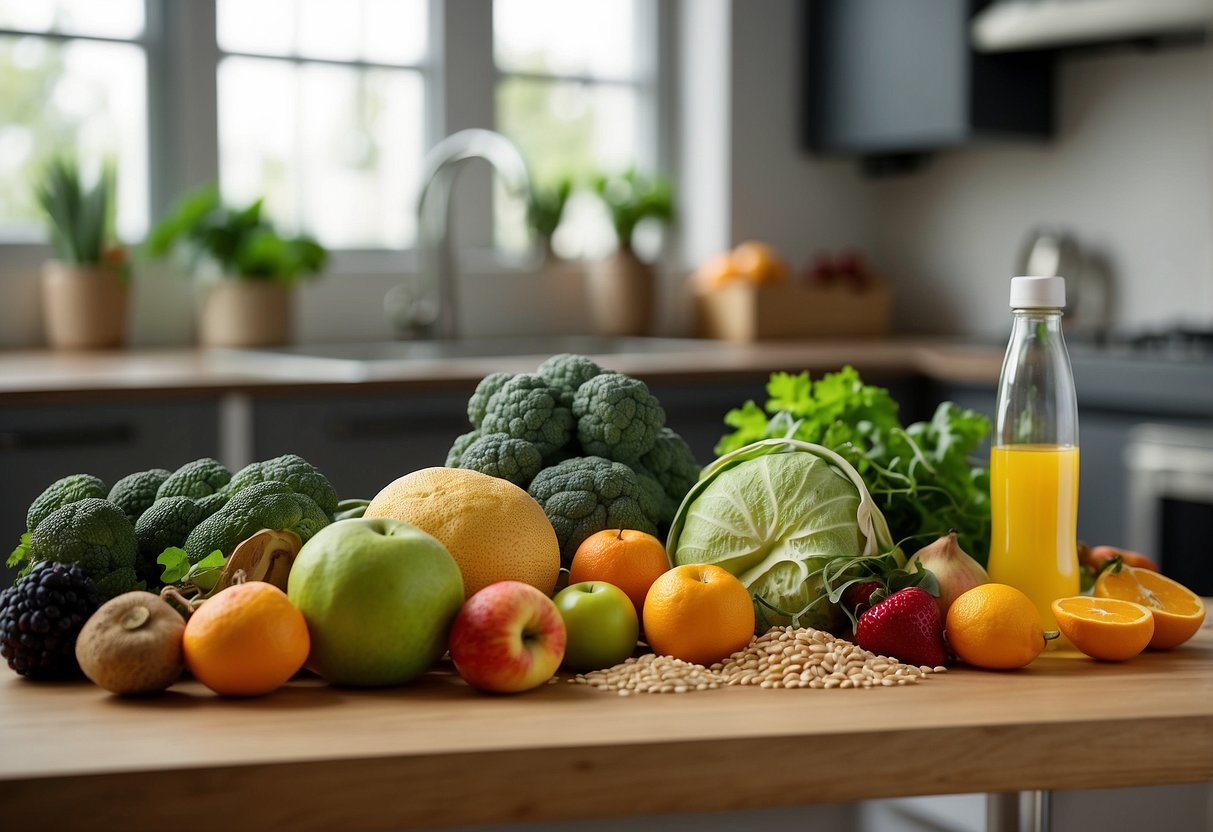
x=182 y=107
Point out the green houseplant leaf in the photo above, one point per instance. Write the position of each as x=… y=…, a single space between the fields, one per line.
x=632 y=197
x=80 y=216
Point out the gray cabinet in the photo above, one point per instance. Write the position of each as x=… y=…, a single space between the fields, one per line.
x=40 y=444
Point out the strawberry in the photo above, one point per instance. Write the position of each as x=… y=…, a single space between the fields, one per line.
x=856 y=597
x=906 y=626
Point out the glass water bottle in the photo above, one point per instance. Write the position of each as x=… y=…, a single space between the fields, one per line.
x=1034 y=458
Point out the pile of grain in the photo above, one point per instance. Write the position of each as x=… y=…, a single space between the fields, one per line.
x=785 y=657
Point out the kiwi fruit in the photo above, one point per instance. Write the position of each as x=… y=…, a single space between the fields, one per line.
x=132 y=644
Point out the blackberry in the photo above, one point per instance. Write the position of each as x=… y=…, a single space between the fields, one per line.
x=40 y=617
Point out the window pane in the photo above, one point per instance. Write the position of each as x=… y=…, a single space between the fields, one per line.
x=572 y=129
x=376 y=31
x=334 y=150
x=103 y=18
x=597 y=38
x=77 y=97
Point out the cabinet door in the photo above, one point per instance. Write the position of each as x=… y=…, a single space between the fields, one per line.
x=362 y=443
x=38 y=445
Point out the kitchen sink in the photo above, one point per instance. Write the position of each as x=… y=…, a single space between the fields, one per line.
x=372 y=359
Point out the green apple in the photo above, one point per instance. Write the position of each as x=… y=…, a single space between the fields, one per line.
x=601 y=624
x=379 y=597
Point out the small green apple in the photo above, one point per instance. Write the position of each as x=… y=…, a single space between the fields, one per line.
x=379 y=597
x=601 y=624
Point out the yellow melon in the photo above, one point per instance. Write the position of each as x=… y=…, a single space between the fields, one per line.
x=493 y=529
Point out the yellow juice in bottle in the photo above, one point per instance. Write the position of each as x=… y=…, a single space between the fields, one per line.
x=1034 y=507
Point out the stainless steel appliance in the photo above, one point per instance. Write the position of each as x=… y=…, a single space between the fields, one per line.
x=1171 y=500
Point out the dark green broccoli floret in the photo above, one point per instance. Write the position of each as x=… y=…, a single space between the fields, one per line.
x=505 y=457
x=460 y=445
x=478 y=403
x=135 y=493
x=586 y=495
x=301 y=476
x=653 y=500
x=617 y=417
x=527 y=407
x=566 y=372
x=263 y=505
x=672 y=464
x=60 y=493
x=167 y=523
x=95 y=534
x=195 y=479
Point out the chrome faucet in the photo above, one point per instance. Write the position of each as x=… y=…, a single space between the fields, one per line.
x=431 y=312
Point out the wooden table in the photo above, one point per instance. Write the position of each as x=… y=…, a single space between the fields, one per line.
x=438 y=753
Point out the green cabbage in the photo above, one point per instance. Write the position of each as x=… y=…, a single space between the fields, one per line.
x=789 y=519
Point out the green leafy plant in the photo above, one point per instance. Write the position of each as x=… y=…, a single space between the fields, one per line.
x=920 y=475
x=546 y=207
x=241 y=242
x=80 y=216
x=632 y=197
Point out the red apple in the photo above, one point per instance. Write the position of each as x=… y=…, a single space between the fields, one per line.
x=508 y=637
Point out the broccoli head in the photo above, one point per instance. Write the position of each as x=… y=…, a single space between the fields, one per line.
x=167 y=523
x=95 y=534
x=135 y=493
x=478 y=403
x=195 y=479
x=301 y=476
x=263 y=505
x=504 y=457
x=566 y=372
x=460 y=445
x=586 y=495
x=672 y=464
x=653 y=500
x=617 y=417
x=61 y=493
x=212 y=503
x=527 y=407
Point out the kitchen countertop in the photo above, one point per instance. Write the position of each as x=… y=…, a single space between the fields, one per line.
x=34 y=376
x=438 y=753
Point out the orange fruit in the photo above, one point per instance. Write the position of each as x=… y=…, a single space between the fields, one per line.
x=995 y=626
x=247 y=640
x=698 y=613
x=759 y=263
x=493 y=529
x=629 y=559
x=1178 y=611
x=715 y=272
x=1104 y=628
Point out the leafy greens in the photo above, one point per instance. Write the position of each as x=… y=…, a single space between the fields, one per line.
x=920 y=476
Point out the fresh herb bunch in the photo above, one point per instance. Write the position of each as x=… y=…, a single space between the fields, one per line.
x=919 y=475
x=81 y=217
x=632 y=197
x=240 y=241
x=546 y=207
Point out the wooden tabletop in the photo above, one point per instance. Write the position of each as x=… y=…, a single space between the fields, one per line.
x=438 y=753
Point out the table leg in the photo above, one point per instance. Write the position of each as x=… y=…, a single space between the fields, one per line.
x=1002 y=811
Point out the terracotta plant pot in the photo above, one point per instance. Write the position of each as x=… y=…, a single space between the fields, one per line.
x=83 y=307
x=245 y=313
x=621 y=292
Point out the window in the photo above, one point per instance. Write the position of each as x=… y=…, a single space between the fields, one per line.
x=321 y=111
x=577 y=94
x=73 y=79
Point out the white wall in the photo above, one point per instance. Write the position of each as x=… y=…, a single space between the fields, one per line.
x=1130 y=173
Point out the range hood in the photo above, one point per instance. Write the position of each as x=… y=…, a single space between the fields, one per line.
x=1010 y=25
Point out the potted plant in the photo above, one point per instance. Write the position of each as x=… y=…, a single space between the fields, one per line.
x=84 y=288
x=622 y=286
x=252 y=268
x=544 y=210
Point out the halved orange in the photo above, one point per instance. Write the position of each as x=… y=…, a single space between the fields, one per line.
x=1178 y=611
x=1104 y=628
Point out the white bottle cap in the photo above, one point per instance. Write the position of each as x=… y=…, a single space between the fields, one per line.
x=1038 y=292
